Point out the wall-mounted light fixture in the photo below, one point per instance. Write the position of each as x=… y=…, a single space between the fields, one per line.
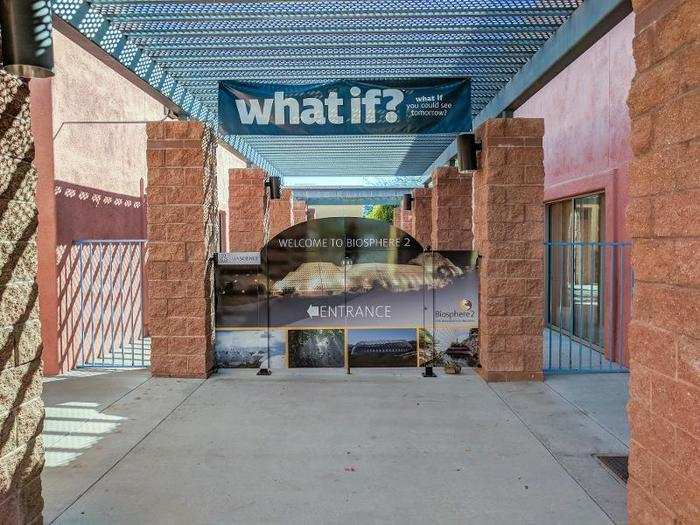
x=274 y=184
x=407 y=202
x=27 y=43
x=467 y=146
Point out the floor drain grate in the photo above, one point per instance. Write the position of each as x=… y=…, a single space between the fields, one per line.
x=617 y=465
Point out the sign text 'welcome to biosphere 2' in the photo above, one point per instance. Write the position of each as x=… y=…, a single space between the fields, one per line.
x=345 y=107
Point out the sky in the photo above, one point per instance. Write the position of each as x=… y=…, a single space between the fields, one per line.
x=341 y=181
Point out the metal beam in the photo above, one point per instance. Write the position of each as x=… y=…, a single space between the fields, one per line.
x=357 y=31
x=184 y=16
x=359 y=68
x=251 y=57
x=349 y=195
x=584 y=27
x=485 y=79
x=204 y=42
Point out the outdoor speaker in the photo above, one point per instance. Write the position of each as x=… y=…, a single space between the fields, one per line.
x=274 y=184
x=27 y=46
x=407 y=202
x=467 y=146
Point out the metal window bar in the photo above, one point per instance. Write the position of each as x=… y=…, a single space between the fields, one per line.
x=112 y=306
x=587 y=286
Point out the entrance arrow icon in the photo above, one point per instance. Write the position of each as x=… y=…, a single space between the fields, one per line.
x=312 y=311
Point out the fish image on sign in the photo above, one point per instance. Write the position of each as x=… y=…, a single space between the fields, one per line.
x=320 y=348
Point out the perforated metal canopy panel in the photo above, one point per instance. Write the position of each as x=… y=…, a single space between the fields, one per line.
x=183 y=48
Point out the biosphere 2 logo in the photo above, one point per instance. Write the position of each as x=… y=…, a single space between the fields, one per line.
x=464 y=312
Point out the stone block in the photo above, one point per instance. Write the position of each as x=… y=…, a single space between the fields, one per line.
x=675 y=492
x=183 y=227
x=508 y=232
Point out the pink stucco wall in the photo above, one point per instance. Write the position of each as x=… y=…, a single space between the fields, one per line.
x=587 y=150
x=99 y=173
x=587 y=125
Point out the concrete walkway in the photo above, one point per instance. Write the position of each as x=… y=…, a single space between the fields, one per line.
x=316 y=446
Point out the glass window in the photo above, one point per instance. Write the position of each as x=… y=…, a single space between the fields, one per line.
x=575 y=234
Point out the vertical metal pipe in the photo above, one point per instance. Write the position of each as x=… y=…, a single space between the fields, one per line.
x=346 y=355
x=425 y=290
x=615 y=306
x=593 y=247
x=580 y=295
x=129 y=303
x=562 y=258
x=142 y=294
x=573 y=301
x=549 y=303
x=98 y=301
x=82 y=303
x=609 y=247
x=111 y=298
x=27 y=40
x=267 y=303
x=621 y=358
x=432 y=287
x=123 y=302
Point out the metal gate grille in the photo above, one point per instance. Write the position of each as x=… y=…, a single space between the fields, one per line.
x=588 y=287
x=112 y=303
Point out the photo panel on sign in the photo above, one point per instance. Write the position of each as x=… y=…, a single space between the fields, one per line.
x=249 y=348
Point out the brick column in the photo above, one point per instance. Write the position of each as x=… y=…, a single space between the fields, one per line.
x=280 y=213
x=508 y=234
x=298 y=212
x=422 y=216
x=182 y=237
x=407 y=221
x=398 y=217
x=246 y=204
x=21 y=408
x=451 y=210
x=664 y=222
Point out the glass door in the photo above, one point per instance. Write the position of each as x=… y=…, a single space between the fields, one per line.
x=575 y=252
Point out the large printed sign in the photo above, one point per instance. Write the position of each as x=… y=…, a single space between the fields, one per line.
x=346 y=107
x=346 y=289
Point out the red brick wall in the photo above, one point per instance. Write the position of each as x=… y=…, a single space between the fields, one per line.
x=182 y=237
x=246 y=204
x=664 y=222
x=508 y=234
x=422 y=216
x=398 y=217
x=280 y=213
x=407 y=221
x=298 y=211
x=451 y=210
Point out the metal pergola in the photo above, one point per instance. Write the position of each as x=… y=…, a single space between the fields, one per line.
x=182 y=48
x=349 y=195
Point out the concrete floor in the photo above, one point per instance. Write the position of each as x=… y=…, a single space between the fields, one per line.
x=316 y=446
